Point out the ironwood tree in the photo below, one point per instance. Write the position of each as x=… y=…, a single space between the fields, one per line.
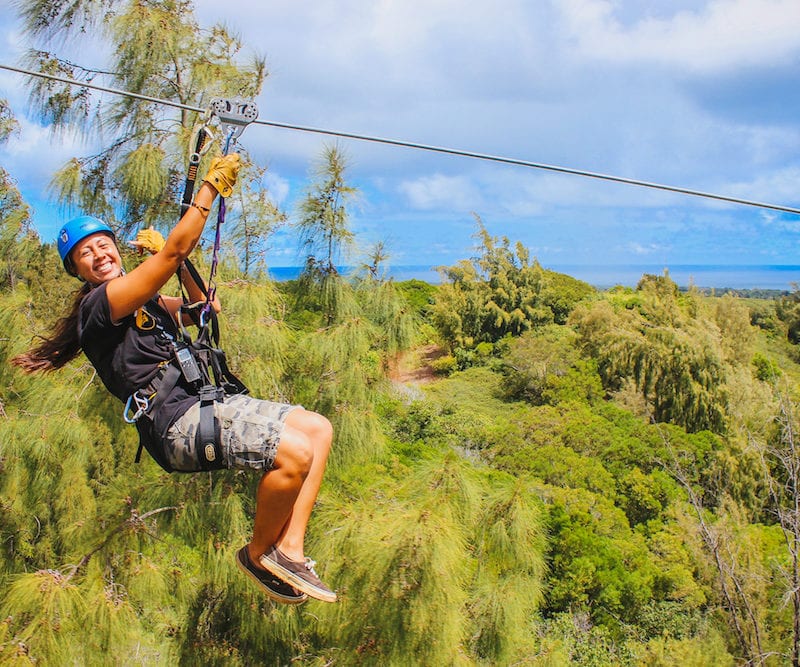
x=157 y=50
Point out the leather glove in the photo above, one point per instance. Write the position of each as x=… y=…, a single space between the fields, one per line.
x=150 y=240
x=223 y=172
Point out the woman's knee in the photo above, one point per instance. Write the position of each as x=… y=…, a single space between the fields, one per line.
x=295 y=451
x=317 y=427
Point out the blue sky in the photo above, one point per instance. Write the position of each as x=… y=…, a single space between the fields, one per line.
x=702 y=95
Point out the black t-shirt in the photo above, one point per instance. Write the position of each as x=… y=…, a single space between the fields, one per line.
x=128 y=354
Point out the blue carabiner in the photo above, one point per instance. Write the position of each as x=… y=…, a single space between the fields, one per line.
x=142 y=405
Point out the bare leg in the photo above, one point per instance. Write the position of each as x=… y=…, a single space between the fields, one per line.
x=279 y=488
x=286 y=494
x=320 y=433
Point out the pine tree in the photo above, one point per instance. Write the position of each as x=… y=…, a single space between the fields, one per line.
x=657 y=339
x=323 y=222
x=500 y=292
x=17 y=237
x=158 y=50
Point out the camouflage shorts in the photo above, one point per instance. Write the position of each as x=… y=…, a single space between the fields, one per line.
x=250 y=432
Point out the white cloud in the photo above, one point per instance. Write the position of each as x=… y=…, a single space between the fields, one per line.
x=720 y=35
x=453 y=193
x=277 y=186
x=33 y=154
x=643 y=250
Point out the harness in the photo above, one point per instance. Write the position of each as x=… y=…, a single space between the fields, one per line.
x=200 y=362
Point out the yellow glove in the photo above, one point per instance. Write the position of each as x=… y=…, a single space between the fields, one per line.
x=150 y=240
x=222 y=173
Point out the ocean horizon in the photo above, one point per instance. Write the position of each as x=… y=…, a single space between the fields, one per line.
x=718 y=276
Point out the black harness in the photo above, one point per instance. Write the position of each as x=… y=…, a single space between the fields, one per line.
x=200 y=362
x=204 y=367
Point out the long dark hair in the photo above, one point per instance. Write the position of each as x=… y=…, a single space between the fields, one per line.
x=61 y=347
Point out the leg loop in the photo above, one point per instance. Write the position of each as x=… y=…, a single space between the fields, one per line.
x=208 y=437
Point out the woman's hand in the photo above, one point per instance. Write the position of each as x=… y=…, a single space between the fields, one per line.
x=222 y=173
x=150 y=240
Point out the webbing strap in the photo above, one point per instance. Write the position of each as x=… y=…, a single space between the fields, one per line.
x=188 y=194
x=233 y=116
x=207 y=309
x=194 y=163
x=207 y=438
x=167 y=384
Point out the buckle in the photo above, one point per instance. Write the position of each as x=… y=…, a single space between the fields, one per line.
x=210 y=393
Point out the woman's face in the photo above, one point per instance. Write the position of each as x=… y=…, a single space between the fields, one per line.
x=96 y=259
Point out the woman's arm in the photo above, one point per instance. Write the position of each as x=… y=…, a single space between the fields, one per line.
x=129 y=292
x=194 y=294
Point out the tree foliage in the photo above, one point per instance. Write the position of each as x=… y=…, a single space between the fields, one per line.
x=617 y=484
x=655 y=338
x=18 y=241
x=499 y=293
x=158 y=50
x=788 y=310
x=516 y=512
x=323 y=221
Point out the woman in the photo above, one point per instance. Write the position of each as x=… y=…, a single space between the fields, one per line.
x=128 y=331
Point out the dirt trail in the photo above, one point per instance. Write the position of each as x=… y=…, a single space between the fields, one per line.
x=414 y=367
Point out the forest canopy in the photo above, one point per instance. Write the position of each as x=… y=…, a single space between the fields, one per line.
x=526 y=469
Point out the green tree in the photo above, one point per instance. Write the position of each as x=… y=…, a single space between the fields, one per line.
x=788 y=310
x=738 y=336
x=780 y=467
x=386 y=306
x=157 y=50
x=323 y=222
x=655 y=338
x=499 y=293
x=535 y=359
x=8 y=124
x=18 y=241
x=255 y=221
x=324 y=230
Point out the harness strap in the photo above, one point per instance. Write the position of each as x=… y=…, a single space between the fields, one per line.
x=207 y=438
x=167 y=384
x=201 y=135
x=194 y=162
x=227 y=380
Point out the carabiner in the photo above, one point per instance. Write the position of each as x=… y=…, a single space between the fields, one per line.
x=194 y=158
x=142 y=406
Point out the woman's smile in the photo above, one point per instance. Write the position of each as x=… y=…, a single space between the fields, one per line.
x=97 y=259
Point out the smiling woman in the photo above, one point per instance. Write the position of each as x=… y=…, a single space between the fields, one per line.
x=191 y=413
x=84 y=239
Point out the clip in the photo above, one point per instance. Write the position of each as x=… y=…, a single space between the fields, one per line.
x=142 y=405
x=194 y=158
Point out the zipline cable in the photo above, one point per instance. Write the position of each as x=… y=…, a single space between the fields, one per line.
x=426 y=147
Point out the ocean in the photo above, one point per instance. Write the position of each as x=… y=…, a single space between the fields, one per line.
x=756 y=276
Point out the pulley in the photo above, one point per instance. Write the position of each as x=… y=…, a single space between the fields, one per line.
x=233 y=115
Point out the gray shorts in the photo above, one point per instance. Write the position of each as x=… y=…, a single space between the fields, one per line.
x=250 y=433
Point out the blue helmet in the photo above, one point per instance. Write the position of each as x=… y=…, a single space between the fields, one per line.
x=76 y=230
